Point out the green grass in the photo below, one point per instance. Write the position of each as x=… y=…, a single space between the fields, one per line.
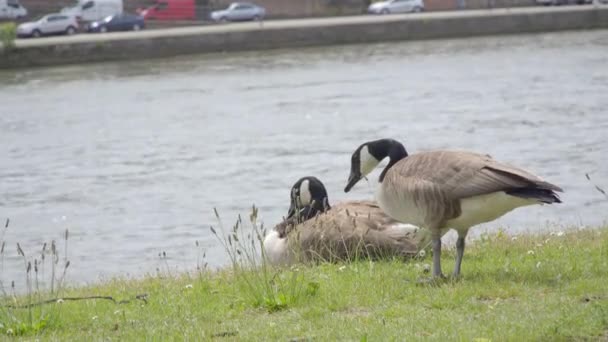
x=8 y=33
x=533 y=287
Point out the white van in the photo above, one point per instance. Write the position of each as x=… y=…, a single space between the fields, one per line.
x=11 y=9
x=92 y=10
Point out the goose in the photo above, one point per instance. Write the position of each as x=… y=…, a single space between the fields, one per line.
x=441 y=190
x=315 y=230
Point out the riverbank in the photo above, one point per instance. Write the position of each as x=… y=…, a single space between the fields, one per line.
x=298 y=33
x=526 y=287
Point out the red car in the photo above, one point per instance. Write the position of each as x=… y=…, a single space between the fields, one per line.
x=170 y=10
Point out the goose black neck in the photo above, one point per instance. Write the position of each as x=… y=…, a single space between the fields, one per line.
x=392 y=149
x=317 y=207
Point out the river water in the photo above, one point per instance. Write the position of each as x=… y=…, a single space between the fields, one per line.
x=132 y=157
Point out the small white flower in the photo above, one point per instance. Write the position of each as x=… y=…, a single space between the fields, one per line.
x=9 y=331
x=530 y=252
x=341 y=268
x=95 y=318
x=539 y=245
x=59 y=301
x=422 y=253
x=116 y=312
x=189 y=286
x=552 y=233
x=538 y=264
x=514 y=238
x=560 y=233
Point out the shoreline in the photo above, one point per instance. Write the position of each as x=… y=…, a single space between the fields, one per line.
x=276 y=34
x=504 y=276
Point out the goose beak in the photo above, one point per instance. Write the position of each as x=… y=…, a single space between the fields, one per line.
x=352 y=180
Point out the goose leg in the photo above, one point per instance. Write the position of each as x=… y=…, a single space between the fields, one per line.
x=459 y=254
x=437 y=257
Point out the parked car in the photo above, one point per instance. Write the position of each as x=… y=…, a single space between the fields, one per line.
x=117 y=22
x=170 y=10
x=49 y=24
x=11 y=9
x=239 y=11
x=91 y=10
x=396 y=6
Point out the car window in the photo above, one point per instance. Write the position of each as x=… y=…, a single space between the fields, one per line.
x=52 y=18
x=243 y=7
x=88 y=5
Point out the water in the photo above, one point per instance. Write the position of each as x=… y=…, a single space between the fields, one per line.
x=133 y=157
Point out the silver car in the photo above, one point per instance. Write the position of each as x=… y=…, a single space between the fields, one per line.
x=239 y=11
x=396 y=6
x=50 y=24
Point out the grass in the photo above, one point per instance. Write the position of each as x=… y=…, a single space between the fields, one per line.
x=8 y=33
x=534 y=287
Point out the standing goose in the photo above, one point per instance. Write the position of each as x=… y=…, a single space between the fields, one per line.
x=314 y=230
x=439 y=190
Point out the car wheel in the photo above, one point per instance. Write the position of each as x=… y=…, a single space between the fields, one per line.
x=417 y=9
x=223 y=20
x=70 y=31
x=36 y=33
x=385 y=11
x=103 y=29
x=136 y=27
x=256 y=18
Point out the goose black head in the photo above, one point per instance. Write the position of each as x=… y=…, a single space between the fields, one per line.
x=308 y=198
x=368 y=155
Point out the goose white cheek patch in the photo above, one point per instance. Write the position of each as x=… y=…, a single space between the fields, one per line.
x=305 y=196
x=367 y=160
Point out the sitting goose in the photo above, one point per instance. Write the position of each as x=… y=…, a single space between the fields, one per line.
x=446 y=189
x=316 y=230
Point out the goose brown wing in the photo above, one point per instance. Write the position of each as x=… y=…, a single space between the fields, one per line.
x=350 y=229
x=456 y=175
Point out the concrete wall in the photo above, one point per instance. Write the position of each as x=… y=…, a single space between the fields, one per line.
x=297 y=33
